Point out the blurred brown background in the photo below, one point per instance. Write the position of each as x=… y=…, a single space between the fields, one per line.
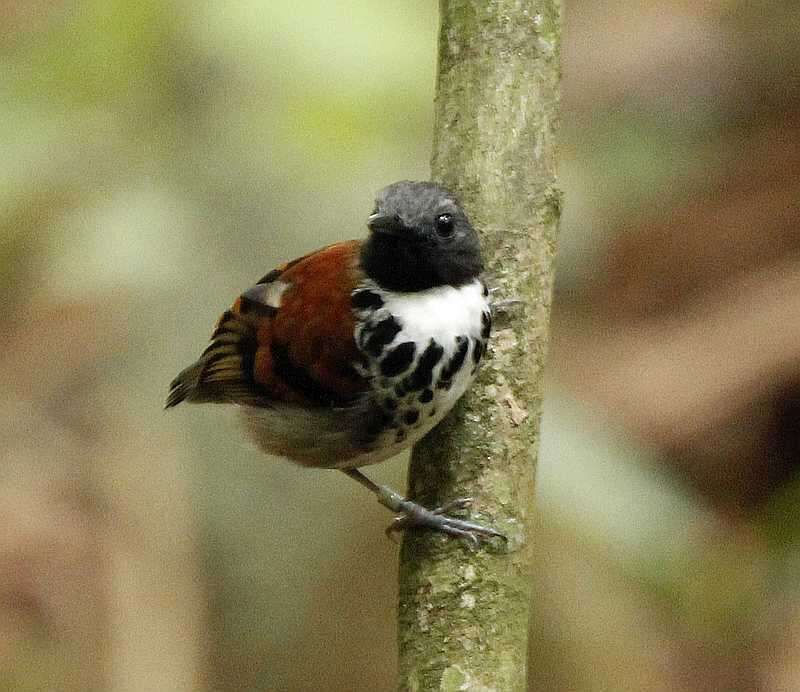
x=158 y=157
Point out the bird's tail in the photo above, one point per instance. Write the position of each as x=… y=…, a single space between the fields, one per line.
x=185 y=384
x=224 y=373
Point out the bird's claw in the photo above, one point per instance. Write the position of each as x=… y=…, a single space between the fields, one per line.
x=416 y=516
x=506 y=304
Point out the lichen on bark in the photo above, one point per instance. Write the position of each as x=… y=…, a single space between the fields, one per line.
x=463 y=613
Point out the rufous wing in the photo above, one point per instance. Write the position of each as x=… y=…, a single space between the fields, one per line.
x=287 y=339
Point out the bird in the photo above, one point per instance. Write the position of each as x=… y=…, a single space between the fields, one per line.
x=348 y=355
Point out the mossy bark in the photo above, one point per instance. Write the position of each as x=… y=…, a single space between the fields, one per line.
x=464 y=613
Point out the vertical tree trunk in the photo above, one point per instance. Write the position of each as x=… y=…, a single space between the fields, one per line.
x=464 y=614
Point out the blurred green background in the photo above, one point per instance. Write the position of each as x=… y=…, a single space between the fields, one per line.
x=159 y=157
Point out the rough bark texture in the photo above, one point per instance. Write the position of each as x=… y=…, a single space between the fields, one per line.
x=464 y=613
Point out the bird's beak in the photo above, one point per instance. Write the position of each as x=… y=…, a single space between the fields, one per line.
x=387 y=224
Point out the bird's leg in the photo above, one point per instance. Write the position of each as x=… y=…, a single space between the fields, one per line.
x=412 y=515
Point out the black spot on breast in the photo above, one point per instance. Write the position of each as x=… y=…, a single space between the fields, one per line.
x=455 y=364
x=398 y=359
x=486 y=325
x=423 y=373
x=411 y=416
x=426 y=396
x=366 y=299
x=381 y=335
x=477 y=351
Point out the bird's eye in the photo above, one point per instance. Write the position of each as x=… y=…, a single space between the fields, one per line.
x=444 y=225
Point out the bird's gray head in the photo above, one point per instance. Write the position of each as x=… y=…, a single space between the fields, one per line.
x=420 y=237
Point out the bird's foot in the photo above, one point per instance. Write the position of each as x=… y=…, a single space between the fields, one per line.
x=412 y=516
x=506 y=305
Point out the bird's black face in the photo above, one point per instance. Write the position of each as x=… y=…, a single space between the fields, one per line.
x=420 y=238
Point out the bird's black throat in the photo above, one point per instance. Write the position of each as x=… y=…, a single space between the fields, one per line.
x=407 y=265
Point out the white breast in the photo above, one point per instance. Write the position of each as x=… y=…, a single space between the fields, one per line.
x=440 y=313
x=450 y=318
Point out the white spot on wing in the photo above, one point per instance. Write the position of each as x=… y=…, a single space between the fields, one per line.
x=273 y=292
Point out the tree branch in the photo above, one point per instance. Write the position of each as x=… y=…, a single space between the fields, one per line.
x=464 y=614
